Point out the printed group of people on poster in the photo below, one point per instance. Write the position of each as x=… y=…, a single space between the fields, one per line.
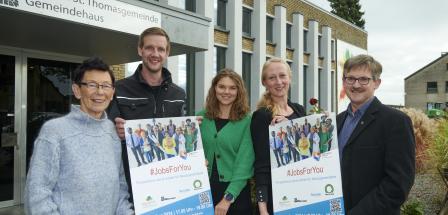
x=155 y=141
x=78 y=166
x=298 y=142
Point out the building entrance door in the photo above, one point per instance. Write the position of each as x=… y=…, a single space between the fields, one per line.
x=49 y=95
x=9 y=148
x=34 y=88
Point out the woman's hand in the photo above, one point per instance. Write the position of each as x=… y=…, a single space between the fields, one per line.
x=263 y=208
x=277 y=119
x=119 y=126
x=199 y=119
x=222 y=207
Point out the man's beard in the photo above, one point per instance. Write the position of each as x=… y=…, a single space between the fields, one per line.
x=146 y=65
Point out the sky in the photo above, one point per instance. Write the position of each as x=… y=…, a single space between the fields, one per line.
x=404 y=36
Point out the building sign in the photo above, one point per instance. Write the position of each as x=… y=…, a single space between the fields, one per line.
x=110 y=14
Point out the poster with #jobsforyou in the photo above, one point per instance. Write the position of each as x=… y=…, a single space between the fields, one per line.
x=167 y=166
x=305 y=155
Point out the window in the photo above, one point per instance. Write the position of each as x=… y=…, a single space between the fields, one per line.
x=290 y=84
x=447 y=66
x=220 y=13
x=305 y=70
x=431 y=87
x=246 y=71
x=190 y=76
x=434 y=105
x=333 y=90
x=446 y=86
x=288 y=35
x=269 y=29
x=190 y=5
x=219 y=61
x=305 y=40
x=319 y=46
x=320 y=85
x=333 y=48
x=247 y=22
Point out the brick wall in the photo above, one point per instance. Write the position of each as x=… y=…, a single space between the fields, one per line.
x=118 y=70
x=340 y=29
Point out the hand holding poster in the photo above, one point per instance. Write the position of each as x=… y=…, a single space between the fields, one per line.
x=306 y=176
x=167 y=166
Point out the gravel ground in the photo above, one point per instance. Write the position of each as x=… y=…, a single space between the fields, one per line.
x=430 y=190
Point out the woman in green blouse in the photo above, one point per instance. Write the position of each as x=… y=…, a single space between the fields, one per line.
x=225 y=131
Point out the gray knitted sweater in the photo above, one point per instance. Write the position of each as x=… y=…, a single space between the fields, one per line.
x=76 y=168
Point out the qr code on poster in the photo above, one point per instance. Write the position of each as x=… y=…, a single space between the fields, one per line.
x=204 y=198
x=335 y=206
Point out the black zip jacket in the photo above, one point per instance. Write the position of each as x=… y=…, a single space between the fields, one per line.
x=135 y=99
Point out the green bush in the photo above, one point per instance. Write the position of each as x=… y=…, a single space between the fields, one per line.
x=412 y=207
x=438 y=149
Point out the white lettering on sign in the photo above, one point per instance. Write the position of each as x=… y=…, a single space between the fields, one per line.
x=110 y=14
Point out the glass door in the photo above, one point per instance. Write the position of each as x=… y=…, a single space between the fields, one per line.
x=34 y=88
x=49 y=95
x=9 y=182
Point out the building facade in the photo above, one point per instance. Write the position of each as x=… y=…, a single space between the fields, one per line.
x=43 y=41
x=314 y=42
x=427 y=88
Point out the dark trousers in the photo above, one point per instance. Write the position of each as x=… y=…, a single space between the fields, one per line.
x=127 y=173
x=242 y=204
x=160 y=154
x=295 y=153
x=136 y=151
x=279 y=156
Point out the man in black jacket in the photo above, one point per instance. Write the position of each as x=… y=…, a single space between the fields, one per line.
x=149 y=92
x=376 y=144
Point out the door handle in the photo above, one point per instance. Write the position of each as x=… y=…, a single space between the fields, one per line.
x=16 y=142
x=9 y=139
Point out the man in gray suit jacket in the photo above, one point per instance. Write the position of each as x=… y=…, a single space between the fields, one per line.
x=376 y=145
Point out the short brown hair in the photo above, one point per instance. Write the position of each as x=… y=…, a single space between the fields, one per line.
x=363 y=61
x=154 y=31
x=240 y=106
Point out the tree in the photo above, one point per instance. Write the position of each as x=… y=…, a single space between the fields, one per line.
x=349 y=10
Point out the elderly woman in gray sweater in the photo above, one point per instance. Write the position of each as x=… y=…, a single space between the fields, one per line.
x=76 y=167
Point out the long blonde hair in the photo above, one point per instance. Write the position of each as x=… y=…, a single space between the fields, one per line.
x=266 y=100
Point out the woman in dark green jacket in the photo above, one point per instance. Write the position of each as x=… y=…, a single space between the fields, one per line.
x=228 y=148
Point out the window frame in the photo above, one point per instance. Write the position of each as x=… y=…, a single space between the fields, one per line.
x=431 y=89
x=269 y=29
x=246 y=27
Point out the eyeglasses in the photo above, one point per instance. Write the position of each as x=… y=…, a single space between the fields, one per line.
x=95 y=86
x=361 y=80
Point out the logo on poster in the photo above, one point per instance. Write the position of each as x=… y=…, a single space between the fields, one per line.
x=329 y=189
x=163 y=198
x=285 y=201
x=148 y=202
x=197 y=184
x=299 y=200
